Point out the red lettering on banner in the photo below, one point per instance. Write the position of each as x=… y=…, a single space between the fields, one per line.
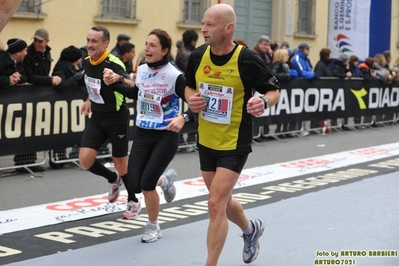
x=80 y=204
x=370 y=151
x=305 y=163
x=198 y=182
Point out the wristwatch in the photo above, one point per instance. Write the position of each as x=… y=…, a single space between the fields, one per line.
x=121 y=79
x=186 y=117
x=265 y=101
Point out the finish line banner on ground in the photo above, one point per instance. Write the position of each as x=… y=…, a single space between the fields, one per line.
x=35 y=118
x=97 y=205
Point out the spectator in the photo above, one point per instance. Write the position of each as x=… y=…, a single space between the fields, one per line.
x=302 y=65
x=83 y=49
x=11 y=67
x=291 y=54
x=68 y=67
x=37 y=64
x=341 y=67
x=341 y=70
x=262 y=48
x=285 y=45
x=280 y=70
x=366 y=70
x=190 y=39
x=383 y=74
x=274 y=46
x=388 y=57
x=301 y=62
x=322 y=68
x=368 y=74
x=353 y=66
x=121 y=39
x=128 y=51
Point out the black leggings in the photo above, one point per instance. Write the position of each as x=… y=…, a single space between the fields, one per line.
x=151 y=153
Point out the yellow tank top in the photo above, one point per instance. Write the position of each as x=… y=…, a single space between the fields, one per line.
x=221 y=86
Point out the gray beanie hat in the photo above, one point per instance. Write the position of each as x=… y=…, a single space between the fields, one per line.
x=343 y=57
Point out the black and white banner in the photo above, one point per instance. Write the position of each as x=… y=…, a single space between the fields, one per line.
x=34 y=118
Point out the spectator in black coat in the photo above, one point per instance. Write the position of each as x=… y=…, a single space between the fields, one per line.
x=341 y=67
x=322 y=68
x=38 y=61
x=341 y=70
x=68 y=68
x=37 y=65
x=11 y=68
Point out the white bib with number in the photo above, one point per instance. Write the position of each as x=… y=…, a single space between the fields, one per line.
x=219 y=100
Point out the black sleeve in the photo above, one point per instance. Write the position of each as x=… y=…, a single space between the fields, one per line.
x=4 y=82
x=127 y=91
x=193 y=116
x=192 y=64
x=180 y=86
x=255 y=73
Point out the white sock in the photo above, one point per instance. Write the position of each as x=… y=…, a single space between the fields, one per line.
x=249 y=230
x=165 y=182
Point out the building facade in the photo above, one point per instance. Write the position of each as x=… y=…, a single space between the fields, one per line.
x=69 y=21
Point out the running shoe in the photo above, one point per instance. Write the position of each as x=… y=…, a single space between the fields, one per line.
x=132 y=210
x=113 y=193
x=169 y=192
x=152 y=232
x=251 y=242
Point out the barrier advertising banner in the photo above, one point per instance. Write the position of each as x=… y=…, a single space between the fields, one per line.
x=35 y=118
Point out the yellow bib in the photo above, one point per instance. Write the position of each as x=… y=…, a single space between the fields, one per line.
x=222 y=87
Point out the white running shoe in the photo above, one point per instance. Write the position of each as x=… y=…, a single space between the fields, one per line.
x=113 y=193
x=151 y=233
x=132 y=210
x=169 y=192
x=251 y=242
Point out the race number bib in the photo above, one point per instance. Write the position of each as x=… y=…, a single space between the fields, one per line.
x=219 y=101
x=149 y=107
x=93 y=86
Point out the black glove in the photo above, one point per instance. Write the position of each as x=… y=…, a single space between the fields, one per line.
x=79 y=75
x=316 y=77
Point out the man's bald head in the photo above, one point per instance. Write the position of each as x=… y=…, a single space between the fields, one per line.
x=223 y=11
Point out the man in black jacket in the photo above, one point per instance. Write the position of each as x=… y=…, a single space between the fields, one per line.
x=37 y=64
x=11 y=68
x=38 y=61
